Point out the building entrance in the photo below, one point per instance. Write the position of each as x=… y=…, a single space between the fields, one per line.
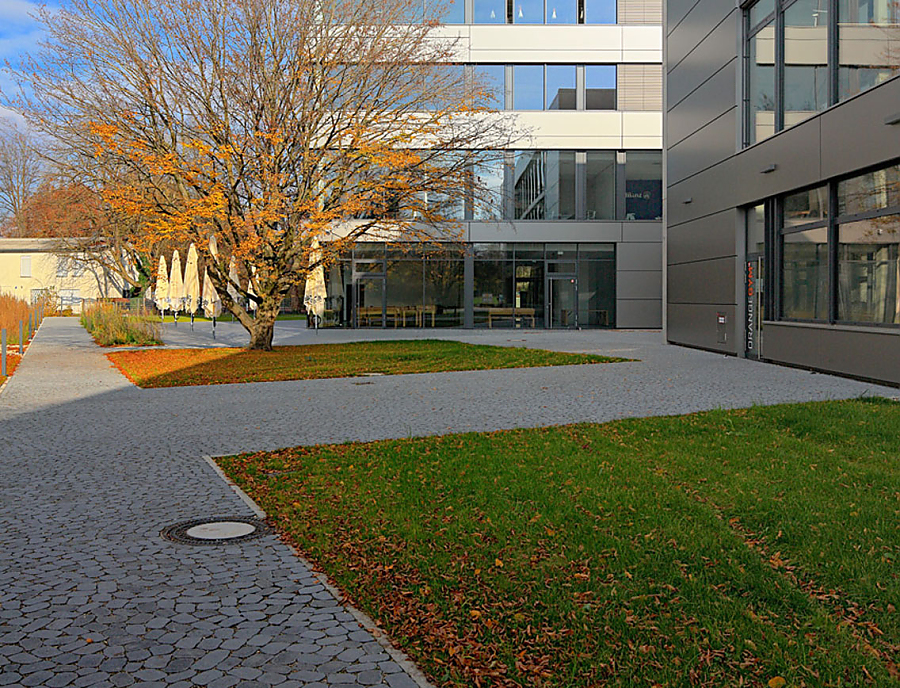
x=562 y=300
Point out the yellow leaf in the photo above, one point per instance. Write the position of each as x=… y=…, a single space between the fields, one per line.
x=777 y=682
x=498 y=562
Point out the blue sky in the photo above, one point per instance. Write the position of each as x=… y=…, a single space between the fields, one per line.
x=19 y=34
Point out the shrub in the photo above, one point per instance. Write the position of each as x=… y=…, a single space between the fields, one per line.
x=13 y=311
x=111 y=326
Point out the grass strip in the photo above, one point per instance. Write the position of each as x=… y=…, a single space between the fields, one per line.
x=180 y=367
x=722 y=548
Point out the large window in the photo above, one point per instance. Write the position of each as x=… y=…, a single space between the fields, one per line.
x=868 y=44
x=793 y=70
x=840 y=250
x=643 y=186
x=555 y=87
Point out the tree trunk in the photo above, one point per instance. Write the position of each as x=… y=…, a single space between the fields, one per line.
x=263 y=326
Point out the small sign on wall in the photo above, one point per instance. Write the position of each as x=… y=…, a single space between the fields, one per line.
x=721 y=328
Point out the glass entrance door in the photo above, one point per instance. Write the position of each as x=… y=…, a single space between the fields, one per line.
x=753 y=314
x=369 y=296
x=562 y=301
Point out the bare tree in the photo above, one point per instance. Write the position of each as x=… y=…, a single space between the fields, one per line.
x=275 y=126
x=20 y=175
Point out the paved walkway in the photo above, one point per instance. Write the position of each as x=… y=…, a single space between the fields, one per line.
x=93 y=468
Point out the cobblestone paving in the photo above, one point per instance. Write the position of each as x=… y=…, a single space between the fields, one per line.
x=93 y=468
x=91 y=595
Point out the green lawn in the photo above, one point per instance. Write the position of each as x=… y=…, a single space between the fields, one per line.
x=717 y=549
x=179 y=367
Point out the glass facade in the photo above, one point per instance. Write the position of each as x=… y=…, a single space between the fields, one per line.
x=840 y=250
x=792 y=67
x=544 y=185
x=524 y=285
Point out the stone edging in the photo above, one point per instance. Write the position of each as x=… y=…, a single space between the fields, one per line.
x=362 y=618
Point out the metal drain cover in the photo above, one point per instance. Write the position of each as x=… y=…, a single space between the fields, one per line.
x=215 y=531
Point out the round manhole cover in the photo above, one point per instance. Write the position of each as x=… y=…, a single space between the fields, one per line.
x=215 y=531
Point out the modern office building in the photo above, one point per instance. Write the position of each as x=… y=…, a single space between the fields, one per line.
x=783 y=181
x=577 y=240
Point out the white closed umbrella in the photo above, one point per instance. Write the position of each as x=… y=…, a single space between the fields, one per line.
x=192 y=282
x=212 y=304
x=162 y=287
x=176 y=286
x=251 y=304
x=315 y=292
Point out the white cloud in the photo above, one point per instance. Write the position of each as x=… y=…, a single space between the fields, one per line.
x=18 y=12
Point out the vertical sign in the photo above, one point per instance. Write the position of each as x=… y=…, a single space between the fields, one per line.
x=751 y=343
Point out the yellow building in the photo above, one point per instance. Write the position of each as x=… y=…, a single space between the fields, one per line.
x=31 y=268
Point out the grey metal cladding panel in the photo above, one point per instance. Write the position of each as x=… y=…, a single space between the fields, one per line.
x=642 y=231
x=643 y=284
x=712 y=99
x=694 y=28
x=545 y=231
x=704 y=148
x=717 y=49
x=695 y=325
x=639 y=314
x=639 y=257
x=676 y=10
x=707 y=237
x=711 y=191
x=862 y=354
x=707 y=281
x=739 y=180
x=871 y=140
x=794 y=152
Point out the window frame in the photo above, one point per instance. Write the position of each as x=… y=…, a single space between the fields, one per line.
x=832 y=223
x=833 y=95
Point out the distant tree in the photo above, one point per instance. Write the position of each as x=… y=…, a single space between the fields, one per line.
x=272 y=125
x=20 y=175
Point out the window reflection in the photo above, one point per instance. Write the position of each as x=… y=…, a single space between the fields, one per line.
x=489 y=11
x=599 y=11
x=529 y=186
x=600 y=87
x=560 y=187
x=528 y=87
x=806 y=60
x=870 y=191
x=561 y=87
x=528 y=11
x=491 y=79
x=805 y=275
x=868 y=44
x=869 y=270
x=562 y=12
x=761 y=84
x=643 y=186
x=600 y=185
x=806 y=207
x=488 y=191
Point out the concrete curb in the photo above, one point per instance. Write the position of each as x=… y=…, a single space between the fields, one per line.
x=362 y=618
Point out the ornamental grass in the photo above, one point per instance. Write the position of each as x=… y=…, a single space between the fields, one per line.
x=110 y=325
